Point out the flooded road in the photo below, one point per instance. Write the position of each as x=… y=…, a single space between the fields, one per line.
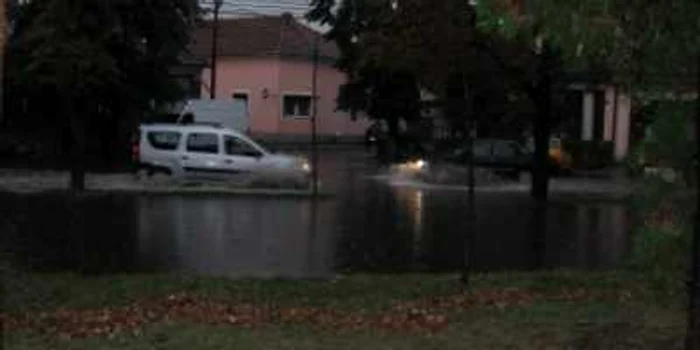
x=369 y=226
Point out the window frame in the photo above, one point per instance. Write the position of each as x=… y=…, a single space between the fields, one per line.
x=304 y=94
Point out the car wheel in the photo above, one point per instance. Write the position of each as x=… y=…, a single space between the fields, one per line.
x=302 y=183
x=160 y=175
x=515 y=175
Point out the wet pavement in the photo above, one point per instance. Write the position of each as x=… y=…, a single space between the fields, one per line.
x=372 y=224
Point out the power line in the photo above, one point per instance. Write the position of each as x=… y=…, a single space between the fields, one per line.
x=253 y=2
x=277 y=6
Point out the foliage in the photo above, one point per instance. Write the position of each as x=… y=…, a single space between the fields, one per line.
x=590 y=154
x=647 y=44
x=660 y=42
x=106 y=46
x=662 y=229
x=95 y=64
x=556 y=325
x=391 y=49
x=667 y=143
x=368 y=309
x=66 y=53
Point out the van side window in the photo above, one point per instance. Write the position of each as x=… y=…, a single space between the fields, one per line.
x=203 y=143
x=234 y=146
x=164 y=140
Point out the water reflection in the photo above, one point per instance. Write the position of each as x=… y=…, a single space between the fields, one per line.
x=370 y=226
x=224 y=237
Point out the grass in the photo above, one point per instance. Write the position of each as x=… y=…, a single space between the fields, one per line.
x=541 y=326
x=652 y=317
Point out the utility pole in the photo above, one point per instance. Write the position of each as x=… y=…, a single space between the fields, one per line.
x=314 y=113
x=214 y=48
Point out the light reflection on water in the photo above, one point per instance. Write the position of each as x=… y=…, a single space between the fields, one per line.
x=369 y=226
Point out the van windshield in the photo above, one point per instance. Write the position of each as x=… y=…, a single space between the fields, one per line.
x=256 y=144
x=266 y=146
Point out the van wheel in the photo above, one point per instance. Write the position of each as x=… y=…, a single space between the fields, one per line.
x=160 y=173
x=140 y=174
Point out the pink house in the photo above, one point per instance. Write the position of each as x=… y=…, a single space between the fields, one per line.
x=268 y=62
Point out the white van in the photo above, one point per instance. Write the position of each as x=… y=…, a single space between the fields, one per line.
x=230 y=113
x=214 y=153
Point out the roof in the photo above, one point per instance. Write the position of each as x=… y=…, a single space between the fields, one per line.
x=194 y=127
x=264 y=36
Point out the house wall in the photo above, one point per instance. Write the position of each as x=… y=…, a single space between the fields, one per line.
x=616 y=117
x=296 y=77
x=277 y=78
x=253 y=77
x=622 y=126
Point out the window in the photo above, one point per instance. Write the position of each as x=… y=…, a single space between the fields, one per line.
x=164 y=140
x=243 y=97
x=482 y=149
x=234 y=146
x=203 y=143
x=505 y=149
x=296 y=106
x=240 y=96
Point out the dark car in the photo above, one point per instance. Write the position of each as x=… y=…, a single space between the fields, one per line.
x=505 y=156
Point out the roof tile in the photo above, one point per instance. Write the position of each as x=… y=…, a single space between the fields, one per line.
x=264 y=36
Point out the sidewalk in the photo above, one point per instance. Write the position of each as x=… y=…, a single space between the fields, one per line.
x=23 y=181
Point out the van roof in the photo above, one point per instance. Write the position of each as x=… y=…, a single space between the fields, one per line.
x=188 y=128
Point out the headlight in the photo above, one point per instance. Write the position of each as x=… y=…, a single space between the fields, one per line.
x=417 y=165
x=306 y=167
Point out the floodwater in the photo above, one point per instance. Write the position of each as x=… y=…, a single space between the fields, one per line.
x=369 y=226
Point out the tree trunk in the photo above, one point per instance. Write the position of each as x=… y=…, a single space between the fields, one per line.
x=470 y=234
x=692 y=340
x=541 y=128
x=78 y=136
x=540 y=171
x=394 y=139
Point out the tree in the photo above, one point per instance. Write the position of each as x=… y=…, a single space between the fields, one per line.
x=385 y=91
x=432 y=45
x=662 y=52
x=650 y=47
x=443 y=45
x=102 y=62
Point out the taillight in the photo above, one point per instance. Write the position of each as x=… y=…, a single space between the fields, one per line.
x=136 y=148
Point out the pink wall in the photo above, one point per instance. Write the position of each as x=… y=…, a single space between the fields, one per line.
x=297 y=77
x=622 y=126
x=250 y=76
x=283 y=77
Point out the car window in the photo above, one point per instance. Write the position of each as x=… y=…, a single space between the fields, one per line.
x=482 y=149
x=203 y=143
x=234 y=146
x=505 y=149
x=164 y=140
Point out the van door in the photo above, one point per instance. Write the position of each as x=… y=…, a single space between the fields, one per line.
x=240 y=157
x=202 y=156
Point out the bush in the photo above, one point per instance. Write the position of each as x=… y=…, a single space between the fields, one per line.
x=590 y=154
x=662 y=228
x=667 y=143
